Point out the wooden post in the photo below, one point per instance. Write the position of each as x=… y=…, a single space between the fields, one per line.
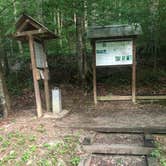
x=134 y=74
x=94 y=72
x=46 y=78
x=34 y=70
x=46 y=89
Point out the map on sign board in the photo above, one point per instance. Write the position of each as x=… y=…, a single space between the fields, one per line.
x=113 y=53
x=39 y=53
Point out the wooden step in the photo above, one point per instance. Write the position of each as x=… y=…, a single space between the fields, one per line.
x=118 y=149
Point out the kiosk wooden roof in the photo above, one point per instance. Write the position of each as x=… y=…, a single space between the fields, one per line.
x=114 y=31
x=26 y=25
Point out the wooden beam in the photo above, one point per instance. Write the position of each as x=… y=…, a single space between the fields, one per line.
x=162 y=97
x=22 y=26
x=34 y=70
x=105 y=98
x=28 y=33
x=114 y=97
x=133 y=130
x=46 y=89
x=118 y=149
x=134 y=74
x=46 y=78
x=94 y=72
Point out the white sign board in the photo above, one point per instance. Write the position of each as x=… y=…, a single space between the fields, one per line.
x=113 y=53
x=39 y=53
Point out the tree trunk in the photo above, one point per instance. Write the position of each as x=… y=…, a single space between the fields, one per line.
x=40 y=11
x=15 y=18
x=154 y=5
x=79 y=45
x=4 y=97
x=59 y=26
x=81 y=40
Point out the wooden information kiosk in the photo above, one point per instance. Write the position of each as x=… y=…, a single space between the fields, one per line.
x=114 y=46
x=29 y=30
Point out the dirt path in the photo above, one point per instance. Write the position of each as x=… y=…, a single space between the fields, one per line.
x=24 y=139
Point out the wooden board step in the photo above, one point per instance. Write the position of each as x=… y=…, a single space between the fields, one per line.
x=118 y=149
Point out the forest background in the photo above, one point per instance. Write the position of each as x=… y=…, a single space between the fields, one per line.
x=70 y=56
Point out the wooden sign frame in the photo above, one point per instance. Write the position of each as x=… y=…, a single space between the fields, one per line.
x=115 y=33
x=133 y=96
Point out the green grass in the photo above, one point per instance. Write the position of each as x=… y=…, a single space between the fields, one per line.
x=20 y=149
x=159 y=154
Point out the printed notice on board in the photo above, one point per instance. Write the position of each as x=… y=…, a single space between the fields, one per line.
x=39 y=53
x=113 y=53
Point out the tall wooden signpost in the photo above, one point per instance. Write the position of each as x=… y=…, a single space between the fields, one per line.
x=29 y=30
x=114 y=46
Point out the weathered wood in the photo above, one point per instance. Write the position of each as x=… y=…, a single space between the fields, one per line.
x=110 y=129
x=116 y=98
x=117 y=149
x=134 y=74
x=94 y=72
x=46 y=83
x=46 y=89
x=22 y=25
x=136 y=130
x=33 y=32
x=34 y=24
x=112 y=97
x=34 y=70
x=161 y=97
x=111 y=31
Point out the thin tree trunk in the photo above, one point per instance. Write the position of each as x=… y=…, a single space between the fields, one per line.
x=79 y=45
x=154 y=5
x=59 y=25
x=40 y=11
x=84 y=26
x=81 y=22
x=4 y=97
x=15 y=18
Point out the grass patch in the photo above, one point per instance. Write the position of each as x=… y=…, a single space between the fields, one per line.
x=160 y=154
x=21 y=149
x=41 y=129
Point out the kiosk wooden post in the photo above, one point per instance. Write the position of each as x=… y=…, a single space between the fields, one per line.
x=134 y=74
x=94 y=72
x=34 y=71
x=46 y=84
x=46 y=89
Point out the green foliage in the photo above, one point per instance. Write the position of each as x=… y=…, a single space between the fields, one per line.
x=60 y=17
x=163 y=162
x=32 y=138
x=159 y=154
x=26 y=156
x=75 y=161
x=156 y=153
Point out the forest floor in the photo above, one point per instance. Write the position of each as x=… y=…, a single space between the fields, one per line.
x=26 y=140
